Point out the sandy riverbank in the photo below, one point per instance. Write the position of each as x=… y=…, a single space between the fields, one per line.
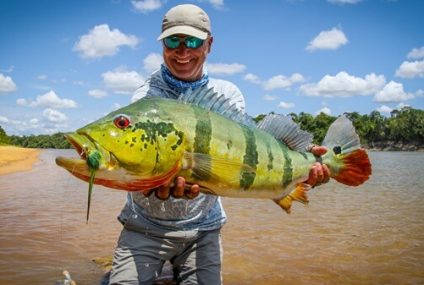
x=13 y=159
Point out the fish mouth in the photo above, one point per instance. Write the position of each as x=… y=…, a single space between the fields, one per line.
x=84 y=145
x=110 y=172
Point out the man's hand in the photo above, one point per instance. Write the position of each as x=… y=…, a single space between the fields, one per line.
x=319 y=173
x=177 y=189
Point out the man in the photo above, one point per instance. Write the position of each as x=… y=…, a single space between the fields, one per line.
x=161 y=226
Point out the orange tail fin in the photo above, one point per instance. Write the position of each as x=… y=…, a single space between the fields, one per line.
x=356 y=168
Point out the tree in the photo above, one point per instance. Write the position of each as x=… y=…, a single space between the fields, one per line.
x=4 y=139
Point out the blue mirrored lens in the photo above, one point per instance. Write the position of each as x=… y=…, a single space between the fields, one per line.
x=174 y=42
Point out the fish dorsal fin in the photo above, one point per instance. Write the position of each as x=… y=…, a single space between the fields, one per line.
x=210 y=100
x=284 y=129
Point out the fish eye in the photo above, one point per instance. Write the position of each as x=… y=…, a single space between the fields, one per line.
x=121 y=121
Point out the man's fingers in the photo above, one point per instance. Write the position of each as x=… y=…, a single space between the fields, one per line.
x=320 y=172
x=149 y=192
x=312 y=180
x=163 y=192
x=318 y=150
x=178 y=190
x=192 y=192
x=326 y=172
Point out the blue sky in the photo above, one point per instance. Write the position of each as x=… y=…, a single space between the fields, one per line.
x=64 y=63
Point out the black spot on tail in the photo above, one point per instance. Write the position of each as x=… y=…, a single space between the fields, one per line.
x=337 y=149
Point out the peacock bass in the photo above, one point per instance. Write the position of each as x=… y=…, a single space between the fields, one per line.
x=153 y=140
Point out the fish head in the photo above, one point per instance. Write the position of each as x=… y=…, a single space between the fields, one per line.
x=127 y=146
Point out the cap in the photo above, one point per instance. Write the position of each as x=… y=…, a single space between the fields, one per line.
x=186 y=19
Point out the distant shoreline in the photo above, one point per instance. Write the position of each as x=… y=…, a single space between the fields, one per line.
x=14 y=159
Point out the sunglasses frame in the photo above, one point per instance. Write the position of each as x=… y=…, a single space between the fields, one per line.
x=198 y=42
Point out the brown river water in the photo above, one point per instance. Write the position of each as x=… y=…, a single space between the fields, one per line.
x=372 y=234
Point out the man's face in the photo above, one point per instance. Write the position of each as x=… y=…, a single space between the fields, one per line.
x=186 y=63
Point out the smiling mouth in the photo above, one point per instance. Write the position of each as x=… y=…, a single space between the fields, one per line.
x=182 y=61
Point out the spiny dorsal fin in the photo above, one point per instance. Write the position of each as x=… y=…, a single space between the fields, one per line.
x=284 y=129
x=208 y=99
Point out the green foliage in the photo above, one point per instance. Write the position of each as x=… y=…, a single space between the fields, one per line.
x=404 y=126
x=4 y=139
x=40 y=141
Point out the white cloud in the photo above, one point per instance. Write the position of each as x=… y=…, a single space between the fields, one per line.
x=411 y=69
x=51 y=122
x=54 y=116
x=122 y=81
x=268 y=97
x=285 y=105
x=49 y=99
x=3 y=119
x=324 y=110
x=281 y=81
x=33 y=121
x=402 y=105
x=6 y=84
x=225 y=69
x=96 y=93
x=416 y=53
x=344 y=85
x=42 y=77
x=252 y=78
x=152 y=62
x=384 y=109
x=101 y=41
x=328 y=40
x=343 y=2
x=392 y=92
x=217 y=3
x=145 y=6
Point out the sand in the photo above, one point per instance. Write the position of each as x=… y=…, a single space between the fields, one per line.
x=13 y=159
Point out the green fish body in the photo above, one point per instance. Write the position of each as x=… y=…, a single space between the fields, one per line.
x=150 y=142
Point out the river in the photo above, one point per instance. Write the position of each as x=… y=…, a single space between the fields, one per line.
x=372 y=234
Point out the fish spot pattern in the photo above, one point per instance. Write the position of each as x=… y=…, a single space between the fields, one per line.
x=153 y=130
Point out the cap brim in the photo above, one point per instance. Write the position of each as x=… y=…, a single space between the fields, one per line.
x=185 y=30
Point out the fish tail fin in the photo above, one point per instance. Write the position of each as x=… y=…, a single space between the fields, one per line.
x=348 y=162
x=298 y=194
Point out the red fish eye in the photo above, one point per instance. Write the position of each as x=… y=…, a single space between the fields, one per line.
x=121 y=121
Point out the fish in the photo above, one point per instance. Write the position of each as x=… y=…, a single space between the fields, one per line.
x=204 y=138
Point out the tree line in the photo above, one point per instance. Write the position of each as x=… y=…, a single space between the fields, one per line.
x=403 y=127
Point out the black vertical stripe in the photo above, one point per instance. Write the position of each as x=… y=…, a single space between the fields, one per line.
x=202 y=141
x=270 y=164
x=288 y=168
x=250 y=158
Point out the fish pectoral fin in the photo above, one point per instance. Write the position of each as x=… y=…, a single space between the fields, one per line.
x=298 y=194
x=204 y=165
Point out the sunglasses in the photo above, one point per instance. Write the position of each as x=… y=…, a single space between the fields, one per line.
x=173 y=42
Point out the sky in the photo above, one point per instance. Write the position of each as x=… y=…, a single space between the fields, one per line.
x=64 y=64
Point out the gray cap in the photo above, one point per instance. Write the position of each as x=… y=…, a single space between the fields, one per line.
x=186 y=19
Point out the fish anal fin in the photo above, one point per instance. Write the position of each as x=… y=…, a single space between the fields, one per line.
x=298 y=194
